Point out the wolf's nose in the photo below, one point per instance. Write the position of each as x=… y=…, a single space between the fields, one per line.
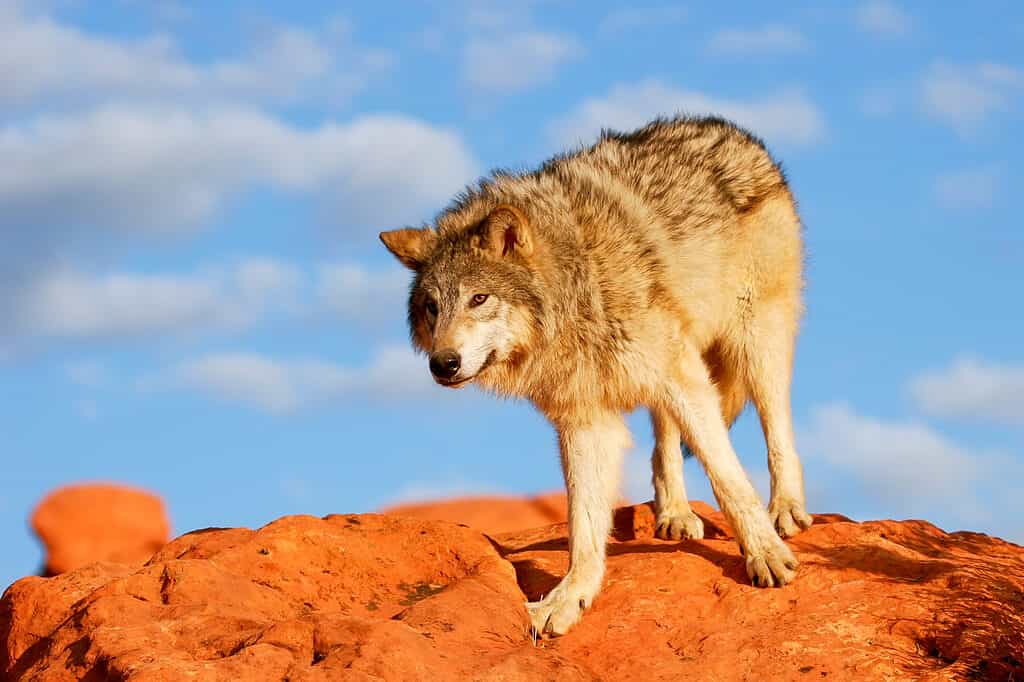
x=445 y=364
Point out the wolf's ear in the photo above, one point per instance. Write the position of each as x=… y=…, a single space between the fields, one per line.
x=506 y=231
x=409 y=245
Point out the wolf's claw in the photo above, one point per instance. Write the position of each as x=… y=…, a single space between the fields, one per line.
x=772 y=567
x=788 y=517
x=556 y=613
x=679 y=526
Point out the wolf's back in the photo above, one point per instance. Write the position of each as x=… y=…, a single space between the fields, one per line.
x=704 y=159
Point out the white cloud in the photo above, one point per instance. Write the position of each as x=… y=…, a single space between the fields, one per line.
x=285 y=386
x=43 y=58
x=73 y=305
x=633 y=18
x=264 y=278
x=160 y=169
x=761 y=41
x=899 y=463
x=969 y=189
x=138 y=138
x=67 y=304
x=964 y=97
x=353 y=293
x=906 y=468
x=516 y=62
x=261 y=382
x=883 y=19
x=971 y=388
x=894 y=469
x=788 y=116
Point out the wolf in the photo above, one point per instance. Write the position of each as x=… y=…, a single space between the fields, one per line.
x=660 y=268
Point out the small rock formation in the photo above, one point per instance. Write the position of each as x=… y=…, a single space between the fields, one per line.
x=490 y=514
x=376 y=597
x=84 y=523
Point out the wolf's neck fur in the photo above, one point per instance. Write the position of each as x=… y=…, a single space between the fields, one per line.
x=576 y=331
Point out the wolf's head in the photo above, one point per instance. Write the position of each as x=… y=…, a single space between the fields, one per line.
x=475 y=302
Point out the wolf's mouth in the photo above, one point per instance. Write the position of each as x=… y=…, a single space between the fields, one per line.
x=458 y=383
x=455 y=384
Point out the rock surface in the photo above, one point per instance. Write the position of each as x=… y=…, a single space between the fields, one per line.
x=367 y=597
x=490 y=514
x=81 y=524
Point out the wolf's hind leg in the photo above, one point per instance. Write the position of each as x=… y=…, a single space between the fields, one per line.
x=769 y=372
x=694 y=402
x=675 y=518
x=591 y=463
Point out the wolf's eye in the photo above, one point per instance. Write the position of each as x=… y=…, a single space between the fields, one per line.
x=431 y=307
x=478 y=300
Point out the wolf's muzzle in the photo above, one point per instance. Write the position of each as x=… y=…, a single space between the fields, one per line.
x=445 y=364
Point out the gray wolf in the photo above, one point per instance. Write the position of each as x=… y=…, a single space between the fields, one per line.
x=660 y=269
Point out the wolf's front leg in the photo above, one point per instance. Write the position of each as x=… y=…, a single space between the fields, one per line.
x=591 y=463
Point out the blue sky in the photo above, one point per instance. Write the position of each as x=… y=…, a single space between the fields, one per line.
x=193 y=298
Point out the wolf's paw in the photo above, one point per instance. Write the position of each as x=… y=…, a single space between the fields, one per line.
x=788 y=516
x=771 y=566
x=676 y=524
x=556 y=613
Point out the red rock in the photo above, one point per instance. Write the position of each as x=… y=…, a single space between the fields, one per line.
x=81 y=524
x=492 y=514
x=380 y=597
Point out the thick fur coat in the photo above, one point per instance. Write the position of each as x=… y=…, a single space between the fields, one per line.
x=657 y=269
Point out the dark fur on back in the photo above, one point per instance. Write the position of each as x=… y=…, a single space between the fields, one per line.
x=712 y=148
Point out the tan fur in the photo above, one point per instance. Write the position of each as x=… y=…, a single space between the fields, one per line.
x=659 y=269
